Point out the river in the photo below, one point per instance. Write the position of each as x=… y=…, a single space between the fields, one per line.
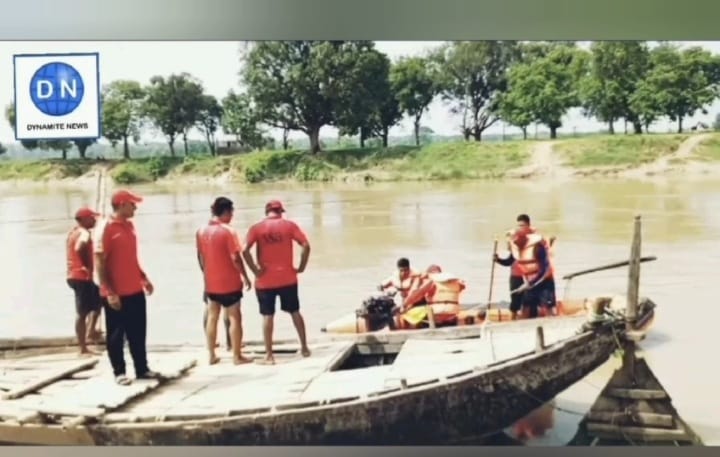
x=358 y=232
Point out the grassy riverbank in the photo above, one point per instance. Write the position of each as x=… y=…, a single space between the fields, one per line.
x=437 y=161
x=618 y=150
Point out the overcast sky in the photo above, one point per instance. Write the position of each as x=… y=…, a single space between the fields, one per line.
x=216 y=65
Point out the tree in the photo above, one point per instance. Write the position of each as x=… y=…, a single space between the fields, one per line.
x=298 y=84
x=415 y=86
x=3 y=149
x=10 y=117
x=82 y=144
x=173 y=106
x=57 y=145
x=679 y=83
x=241 y=119
x=122 y=113
x=515 y=109
x=473 y=77
x=209 y=117
x=367 y=105
x=548 y=86
x=616 y=70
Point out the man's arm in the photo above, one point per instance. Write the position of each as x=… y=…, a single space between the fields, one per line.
x=81 y=247
x=250 y=241
x=542 y=259
x=236 y=249
x=506 y=262
x=301 y=239
x=198 y=252
x=101 y=252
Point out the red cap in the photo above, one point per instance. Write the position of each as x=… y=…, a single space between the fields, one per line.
x=85 y=212
x=125 y=196
x=274 y=205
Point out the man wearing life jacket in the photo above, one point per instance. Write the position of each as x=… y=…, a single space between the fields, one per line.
x=79 y=255
x=529 y=253
x=516 y=277
x=405 y=280
x=440 y=292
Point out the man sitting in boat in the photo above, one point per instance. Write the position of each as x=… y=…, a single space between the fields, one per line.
x=404 y=280
x=528 y=252
x=438 y=298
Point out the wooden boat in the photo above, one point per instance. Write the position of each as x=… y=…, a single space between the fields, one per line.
x=408 y=387
x=375 y=315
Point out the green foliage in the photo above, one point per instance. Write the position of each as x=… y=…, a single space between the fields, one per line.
x=415 y=85
x=240 y=118
x=122 y=112
x=547 y=87
x=473 y=78
x=174 y=105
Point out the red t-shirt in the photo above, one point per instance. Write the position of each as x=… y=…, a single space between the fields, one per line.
x=274 y=237
x=75 y=267
x=118 y=243
x=219 y=244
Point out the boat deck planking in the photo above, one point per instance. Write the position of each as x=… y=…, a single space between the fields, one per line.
x=198 y=390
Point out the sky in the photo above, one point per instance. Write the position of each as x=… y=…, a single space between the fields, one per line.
x=217 y=65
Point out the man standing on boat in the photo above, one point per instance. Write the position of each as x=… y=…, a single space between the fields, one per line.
x=516 y=278
x=218 y=251
x=79 y=254
x=529 y=254
x=404 y=280
x=275 y=273
x=123 y=287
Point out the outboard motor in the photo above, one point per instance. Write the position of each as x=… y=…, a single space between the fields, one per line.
x=378 y=312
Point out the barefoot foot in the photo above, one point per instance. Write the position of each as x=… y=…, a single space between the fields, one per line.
x=241 y=360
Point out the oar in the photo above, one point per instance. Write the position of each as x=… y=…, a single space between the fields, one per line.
x=609 y=266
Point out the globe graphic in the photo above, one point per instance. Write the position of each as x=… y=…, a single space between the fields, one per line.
x=57 y=89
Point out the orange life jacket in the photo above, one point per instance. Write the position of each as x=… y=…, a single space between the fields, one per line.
x=445 y=297
x=404 y=285
x=526 y=258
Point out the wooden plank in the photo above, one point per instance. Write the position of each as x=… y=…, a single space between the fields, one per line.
x=619 y=432
x=637 y=394
x=633 y=418
x=47 y=380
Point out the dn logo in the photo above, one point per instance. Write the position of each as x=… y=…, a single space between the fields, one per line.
x=57 y=89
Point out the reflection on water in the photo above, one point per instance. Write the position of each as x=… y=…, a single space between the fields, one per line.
x=357 y=233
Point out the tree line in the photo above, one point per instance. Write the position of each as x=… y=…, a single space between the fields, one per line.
x=307 y=85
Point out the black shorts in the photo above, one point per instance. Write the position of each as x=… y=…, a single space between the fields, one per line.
x=516 y=300
x=289 y=299
x=541 y=295
x=226 y=300
x=87 y=296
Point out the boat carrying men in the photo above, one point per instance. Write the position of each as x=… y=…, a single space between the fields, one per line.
x=431 y=296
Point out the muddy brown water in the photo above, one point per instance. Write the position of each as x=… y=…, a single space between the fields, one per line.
x=357 y=233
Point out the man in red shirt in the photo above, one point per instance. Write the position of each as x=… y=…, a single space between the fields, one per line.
x=123 y=287
x=218 y=250
x=79 y=257
x=275 y=273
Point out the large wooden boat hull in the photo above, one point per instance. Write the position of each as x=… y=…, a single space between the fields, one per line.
x=474 y=388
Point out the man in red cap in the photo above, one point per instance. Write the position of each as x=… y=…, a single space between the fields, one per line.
x=123 y=287
x=79 y=258
x=275 y=273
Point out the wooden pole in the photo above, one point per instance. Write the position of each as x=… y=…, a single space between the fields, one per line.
x=492 y=275
x=633 y=290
